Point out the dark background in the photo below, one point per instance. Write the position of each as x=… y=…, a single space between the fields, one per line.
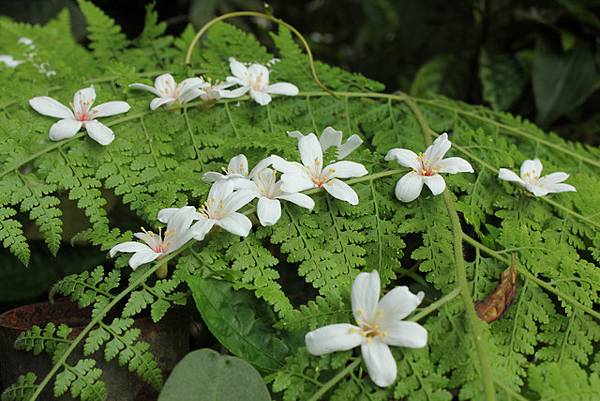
x=538 y=59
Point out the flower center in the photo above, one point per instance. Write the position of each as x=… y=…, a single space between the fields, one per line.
x=211 y=209
x=83 y=113
x=157 y=242
x=258 y=83
x=426 y=169
x=531 y=178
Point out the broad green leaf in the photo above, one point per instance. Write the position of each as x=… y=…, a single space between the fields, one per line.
x=562 y=80
x=444 y=75
x=242 y=323
x=502 y=79
x=205 y=375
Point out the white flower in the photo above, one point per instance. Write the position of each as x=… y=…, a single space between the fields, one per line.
x=311 y=174
x=531 y=171
x=379 y=324
x=237 y=172
x=426 y=168
x=169 y=93
x=156 y=245
x=256 y=80
x=26 y=41
x=9 y=61
x=221 y=209
x=83 y=115
x=333 y=138
x=216 y=91
x=269 y=192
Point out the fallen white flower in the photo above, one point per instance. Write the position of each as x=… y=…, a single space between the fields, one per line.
x=311 y=174
x=255 y=79
x=157 y=245
x=82 y=115
x=379 y=325
x=530 y=179
x=169 y=93
x=9 y=61
x=426 y=168
x=237 y=172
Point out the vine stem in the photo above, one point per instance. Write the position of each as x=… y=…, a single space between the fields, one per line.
x=461 y=272
x=311 y=61
x=574 y=302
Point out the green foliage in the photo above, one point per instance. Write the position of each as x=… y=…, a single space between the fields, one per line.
x=261 y=294
x=226 y=378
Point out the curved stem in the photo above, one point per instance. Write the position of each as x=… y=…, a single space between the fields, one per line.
x=311 y=61
x=335 y=380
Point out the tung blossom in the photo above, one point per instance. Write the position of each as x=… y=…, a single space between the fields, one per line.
x=379 y=324
x=426 y=168
x=81 y=115
x=155 y=245
x=311 y=173
x=237 y=172
x=531 y=179
x=9 y=61
x=169 y=93
x=333 y=138
x=255 y=79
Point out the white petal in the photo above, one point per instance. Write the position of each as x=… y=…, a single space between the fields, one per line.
x=268 y=211
x=238 y=164
x=292 y=182
x=190 y=83
x=342 y=191
x=404 y=157
x=438 y=149
x=507 y=175
x=365 y=295
x=301 y=200
x=533 y=167
x=238 y=69
x=536 y=190
x=237 y=92
x=220 y=190
x=553 y=178
x=165 y=84
x=199 y=230
x=143 y=257
x=64 y=129
x=83 y=99
x=242 y=183
x=556 y=188
x=453 y=165
x=159 y=101
x=344 y=169
x=9 y=61
x=181 y=220
x=409 y=187
x=110 y=109
x=212 y=176
x=262 y=98
x=259 y=70
x=238 y=199
x=435 y=183
x=165 y=214
x=99 y=132
x=189 y=95
x=282 y=88
x=349 y=146
x=311 y=152
x=330 y=137
x=380 y=362
x=298 y=135
x=145 y=87
x=129 y=246
x=332 y=338
x=399 y=303
x=285 y=166
x=49 y=107
x=260 y=166
x=405 y=334
x=236 y=223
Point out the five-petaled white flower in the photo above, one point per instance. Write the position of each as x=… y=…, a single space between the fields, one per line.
x=215 y=91
x=156 y=245
x=426 y=168
x=311 y=173
x=269 y=192
x=221 y=209
x=531 y=171
x=333 y=138
x=256 y=80
x=170 y=93
x=83 y=115
x=379 y=325
x=237 y=172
